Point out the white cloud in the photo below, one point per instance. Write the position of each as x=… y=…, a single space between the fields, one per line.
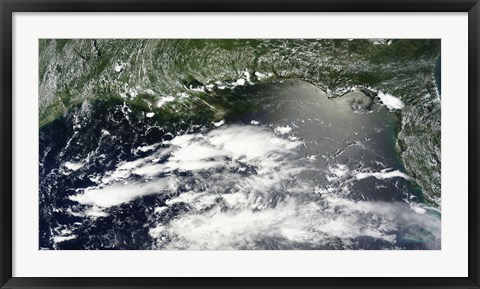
x=58 y=239
x=242 y=186
x=119 y=193
x=383 y=174
x=390 y=101
x=219 y=123
x=73 y=166
x=220 y=148
x=163 y=100
x=292 y=221
x=336 y=172
x=283 y=129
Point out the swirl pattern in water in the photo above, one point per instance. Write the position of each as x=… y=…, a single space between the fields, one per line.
x=240 y=144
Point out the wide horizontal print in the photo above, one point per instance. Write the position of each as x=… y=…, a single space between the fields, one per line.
x=239 y=144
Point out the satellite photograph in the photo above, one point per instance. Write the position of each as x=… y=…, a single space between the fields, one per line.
x=239 y=144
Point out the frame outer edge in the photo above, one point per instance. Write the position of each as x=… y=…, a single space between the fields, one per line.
x=474 y=91
x=6 y=280
x=6 y=145
x=476 y=242
x=242 y=5
x=473 y=144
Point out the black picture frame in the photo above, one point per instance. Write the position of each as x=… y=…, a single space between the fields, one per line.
x=8 y=7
